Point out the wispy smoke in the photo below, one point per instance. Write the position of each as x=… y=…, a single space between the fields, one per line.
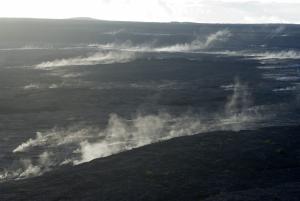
x=239 y=109
x=240 y=101
x=70 y=82
x=283 y=76
x=127 y=46
x=43 y=165
x=56 y=137
x=263 y=56
x=122 y=134
x=96 y=58
x=126 y=52
x=197 y=44
x=289 y=88
x=29 y=47
x=279 y=31
x=77 y=145
x=27 y=168
x=277 y=55
x=31 y=86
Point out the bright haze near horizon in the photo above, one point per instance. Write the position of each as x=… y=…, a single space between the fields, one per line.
x=202 y=11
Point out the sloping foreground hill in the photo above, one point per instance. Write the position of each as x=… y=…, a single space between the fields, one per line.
x=257 y=165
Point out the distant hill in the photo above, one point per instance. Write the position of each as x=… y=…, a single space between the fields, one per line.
x=83 y=18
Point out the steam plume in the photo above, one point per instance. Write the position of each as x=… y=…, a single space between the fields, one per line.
x=96 y=58
x=81 y=145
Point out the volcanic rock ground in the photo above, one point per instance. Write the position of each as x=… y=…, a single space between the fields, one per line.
x=247 y=165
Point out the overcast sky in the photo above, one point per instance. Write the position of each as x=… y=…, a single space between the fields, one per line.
x=210 y=11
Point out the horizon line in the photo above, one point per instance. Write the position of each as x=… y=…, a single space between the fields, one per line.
x=159 y=22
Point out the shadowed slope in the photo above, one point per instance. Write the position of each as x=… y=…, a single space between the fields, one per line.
x=245 y=165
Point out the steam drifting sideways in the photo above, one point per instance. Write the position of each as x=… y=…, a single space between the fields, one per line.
x=125 y=52
x=80 y=85
x=77 y=145
x=105 y=57
x=195 y=45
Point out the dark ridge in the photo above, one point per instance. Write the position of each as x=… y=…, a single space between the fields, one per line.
x=247 y=165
